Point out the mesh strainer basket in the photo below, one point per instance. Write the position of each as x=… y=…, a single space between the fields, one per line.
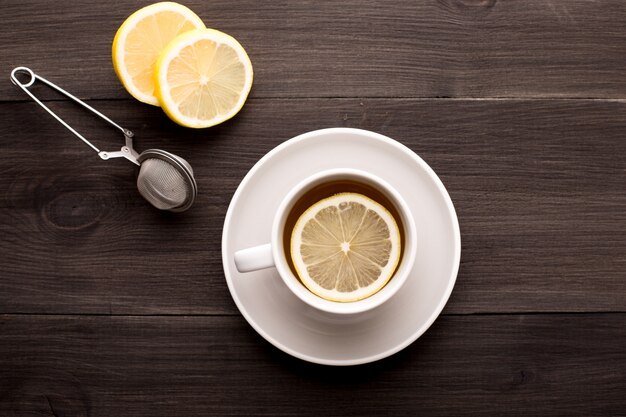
x=166 y=180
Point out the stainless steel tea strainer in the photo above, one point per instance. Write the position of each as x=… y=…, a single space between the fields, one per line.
x=165 y=180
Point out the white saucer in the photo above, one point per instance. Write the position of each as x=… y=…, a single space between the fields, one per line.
x=302 y=331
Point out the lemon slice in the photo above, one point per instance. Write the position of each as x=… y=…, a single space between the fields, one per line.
x=140 y=40
x=345 y=247
x=203 y=78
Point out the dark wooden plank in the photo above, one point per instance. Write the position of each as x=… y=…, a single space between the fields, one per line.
x=538 y=365
x=451 y=48
x=538 y=187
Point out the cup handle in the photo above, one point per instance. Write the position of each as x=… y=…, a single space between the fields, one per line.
x=253 y=259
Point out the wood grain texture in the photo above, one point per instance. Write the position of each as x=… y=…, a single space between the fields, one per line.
x=353 y=48
x=111 y=308
x=538 y=186
x=540 y=365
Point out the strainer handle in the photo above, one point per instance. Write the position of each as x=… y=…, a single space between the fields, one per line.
x=126 y=151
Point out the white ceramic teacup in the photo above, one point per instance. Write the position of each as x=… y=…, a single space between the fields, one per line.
x=273 y=254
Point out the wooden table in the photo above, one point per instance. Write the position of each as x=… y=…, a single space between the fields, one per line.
x=111 y=308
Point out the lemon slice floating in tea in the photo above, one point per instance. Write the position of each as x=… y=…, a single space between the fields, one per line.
x=345 y=247
x=203 y=78
x=140 y=40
